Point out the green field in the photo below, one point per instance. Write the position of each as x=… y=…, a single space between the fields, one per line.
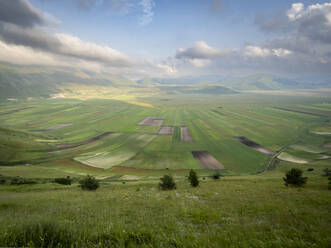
x=249 y=207
x=31 y=132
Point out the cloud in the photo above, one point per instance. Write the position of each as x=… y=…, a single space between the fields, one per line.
x=200 y=50
x=147 y=8
x=312 y=22
x=256 y=51
x=22 y=13
x=62 y=44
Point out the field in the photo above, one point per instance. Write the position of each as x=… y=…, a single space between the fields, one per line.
x=112 y=140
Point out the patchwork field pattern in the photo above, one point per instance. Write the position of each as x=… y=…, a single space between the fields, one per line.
x=162 y=138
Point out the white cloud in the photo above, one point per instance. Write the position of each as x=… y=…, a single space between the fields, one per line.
x=255 y=51
x=147 y=8
x=200 y=50
x=296 y=11
x=73 y=46
x=280 y=52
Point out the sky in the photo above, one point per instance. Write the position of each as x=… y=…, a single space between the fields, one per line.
x=169 y=38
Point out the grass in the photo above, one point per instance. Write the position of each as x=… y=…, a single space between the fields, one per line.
x=247 y=207
x=213 y=125
x=251 y=211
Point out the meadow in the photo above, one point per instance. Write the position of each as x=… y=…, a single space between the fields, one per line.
x=248 y=207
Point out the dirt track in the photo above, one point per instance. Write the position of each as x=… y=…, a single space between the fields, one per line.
x=185 y=134
x=86 y=141
x=166 y=130
x=206 y=160
x=255 y=146
x=151 y=121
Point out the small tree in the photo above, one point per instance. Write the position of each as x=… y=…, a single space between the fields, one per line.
x=326 y=173
x=167 y=183
x=216 y=175
x=89 y=183
x=64 y=180
x=294 y=178
x=193 y=178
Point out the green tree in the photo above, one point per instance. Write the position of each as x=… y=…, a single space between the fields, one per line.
x=193 y=178
x=89 y=183
x=294 y=178
x=167 y=183
x=217 y=175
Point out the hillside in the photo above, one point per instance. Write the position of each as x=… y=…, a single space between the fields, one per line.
x=270 y=82
x=22 y=82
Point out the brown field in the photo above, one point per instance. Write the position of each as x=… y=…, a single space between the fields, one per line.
x=185 y=134
x=255 y=146
x=166 y=130
x=151 y=121
x=206 y=160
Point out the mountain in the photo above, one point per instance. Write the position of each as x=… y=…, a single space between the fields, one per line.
x=32 y=81
x=183 y=80
x=196 y=89
x=270 y=82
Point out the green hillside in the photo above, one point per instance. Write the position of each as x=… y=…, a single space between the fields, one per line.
x=266 y=82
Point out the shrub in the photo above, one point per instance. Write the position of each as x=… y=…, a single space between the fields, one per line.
x=2 y=181
x=65 y=180
x=294 y=178
x=193 y=178
x=89 y=183
x=310 y=169
x=19 y=181
x=217 y=175
x=167 y=183
x=329 y=182
x=326 y=173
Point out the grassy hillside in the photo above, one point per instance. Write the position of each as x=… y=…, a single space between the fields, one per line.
x=268 y=82
x=254 y=211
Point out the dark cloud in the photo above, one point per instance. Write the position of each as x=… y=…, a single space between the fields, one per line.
x=312 y=22
x=34 y=38
x=21 y=13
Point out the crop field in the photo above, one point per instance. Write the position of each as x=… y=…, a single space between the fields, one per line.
x=111 y=135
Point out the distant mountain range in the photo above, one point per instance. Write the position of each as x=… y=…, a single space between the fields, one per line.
x=22 y=82
x=270 y=82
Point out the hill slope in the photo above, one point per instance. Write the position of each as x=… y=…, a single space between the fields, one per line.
x=269 y=82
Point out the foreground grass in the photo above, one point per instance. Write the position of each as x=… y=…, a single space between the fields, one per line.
x=251 y=211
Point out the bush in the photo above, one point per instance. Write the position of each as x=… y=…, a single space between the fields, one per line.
x=310 y=169
x=217 y=175
x=193 y=178
x=326 y=173
x=65 y=180
x=89 y=183
x=19 y=181
x=329 y=181
x=294 y=178
x=167 y=183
